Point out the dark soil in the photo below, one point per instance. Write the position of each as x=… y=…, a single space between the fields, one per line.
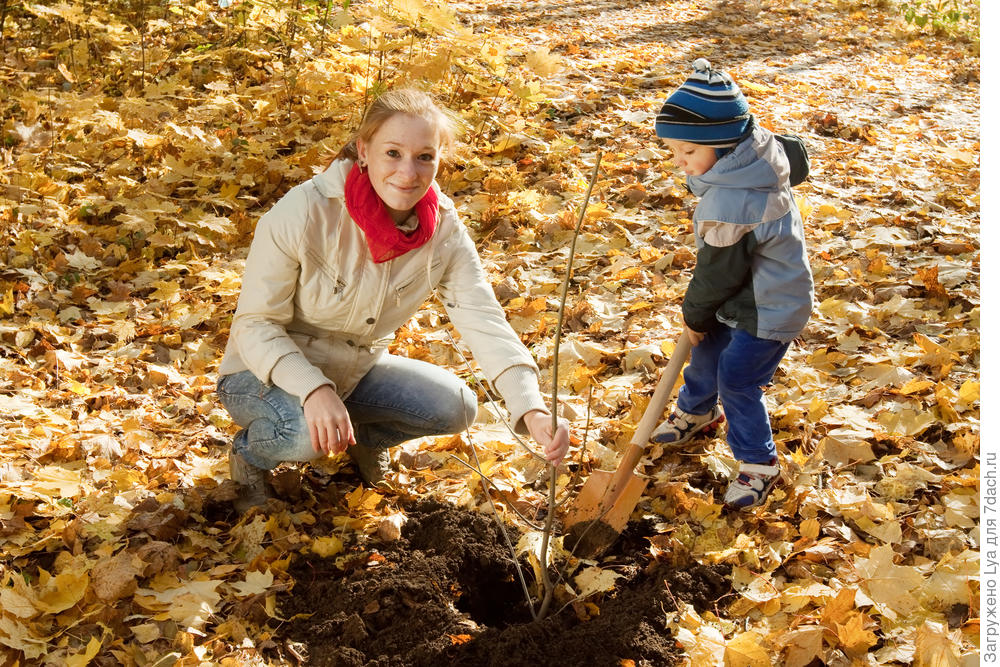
x=447 y=593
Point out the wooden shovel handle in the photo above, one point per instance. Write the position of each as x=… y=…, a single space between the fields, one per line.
x=654 y=410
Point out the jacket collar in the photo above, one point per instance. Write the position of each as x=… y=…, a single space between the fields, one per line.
x=330 y=182
x=757 y=163
x=747 y=186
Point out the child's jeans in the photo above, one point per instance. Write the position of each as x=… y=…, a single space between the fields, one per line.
x=399 y=399
x=733 y=365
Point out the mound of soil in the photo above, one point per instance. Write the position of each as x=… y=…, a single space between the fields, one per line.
x=447 y=593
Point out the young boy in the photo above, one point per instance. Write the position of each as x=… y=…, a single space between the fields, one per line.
x=752 y=290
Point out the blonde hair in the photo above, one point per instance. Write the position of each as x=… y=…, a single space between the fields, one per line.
x=411 y=102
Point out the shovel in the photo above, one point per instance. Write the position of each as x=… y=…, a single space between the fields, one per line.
x=604 y=504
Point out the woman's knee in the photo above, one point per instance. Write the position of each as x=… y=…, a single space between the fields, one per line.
x=295 y=442
x=273 y=423
x=247 y=400
x=455 y=411
x=464 y=414
x=448 y=402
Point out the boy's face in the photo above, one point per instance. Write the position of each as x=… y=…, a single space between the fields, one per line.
x=693 y=159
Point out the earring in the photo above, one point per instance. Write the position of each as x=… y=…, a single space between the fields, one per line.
x=362 y=164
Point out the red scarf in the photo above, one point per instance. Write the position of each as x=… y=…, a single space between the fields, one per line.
x=385 y=240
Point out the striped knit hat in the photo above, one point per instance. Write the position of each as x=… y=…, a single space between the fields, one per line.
x=707 y=109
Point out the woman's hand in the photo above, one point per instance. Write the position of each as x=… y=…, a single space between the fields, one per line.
x=539 y=426
x=329 y=424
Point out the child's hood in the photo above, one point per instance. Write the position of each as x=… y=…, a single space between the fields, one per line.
x=747 y=186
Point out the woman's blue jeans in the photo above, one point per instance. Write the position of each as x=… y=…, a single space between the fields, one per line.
x=734 y=366
x=399 y=399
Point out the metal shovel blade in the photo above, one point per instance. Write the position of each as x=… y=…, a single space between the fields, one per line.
x=606 y=501
x=595 y=520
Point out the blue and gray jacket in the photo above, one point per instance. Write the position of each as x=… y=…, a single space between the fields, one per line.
x=752 y=271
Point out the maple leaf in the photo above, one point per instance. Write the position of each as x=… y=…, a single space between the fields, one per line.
x=802 y=646
x=255 y=583
x=83 y=658
x=854 y=637
x=144 y=139
x=595 y=580
x=745 y=650
x=936 y=646
x=961 y=508
x=543 y=62
x=329 y=545
x=703 y=642
x=80 y=260
x=213 y=223
x=16 y=603
x=530 y=545
x=362 y=499
x=969 y=392
x=952 y=580
x=19 y=636
x=936 y=355
x=929 y=277
x=841 y=450
x=117 y=577
x=58 y=481
x=146 y=632
x=189 y=603
x=839 y=609
x=889 y=585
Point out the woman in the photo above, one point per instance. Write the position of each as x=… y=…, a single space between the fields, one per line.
x=335 y=268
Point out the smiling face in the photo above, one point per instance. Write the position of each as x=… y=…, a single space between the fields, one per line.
x=692 y=159
x=402 y=160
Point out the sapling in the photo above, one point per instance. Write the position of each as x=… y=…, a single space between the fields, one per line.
x=549 y=519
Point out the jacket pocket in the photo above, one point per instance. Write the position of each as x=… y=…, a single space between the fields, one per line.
x=321 y=288
x=320 y=268
x=417 y=278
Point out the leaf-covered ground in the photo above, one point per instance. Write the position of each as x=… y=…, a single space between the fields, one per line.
x=141 y=141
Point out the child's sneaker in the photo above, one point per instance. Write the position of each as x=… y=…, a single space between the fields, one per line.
x=751 y=486
x=681 y=426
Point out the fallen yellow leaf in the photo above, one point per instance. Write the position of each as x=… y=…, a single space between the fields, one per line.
x=331 y=545
x=839 y=608
x=363 y=499
x=83 y=659
x=854 y=638
x=817 y=409
x=745 y=650
x=888 y=584
x=14 y=603
x=802 y=645
x=936 y=646
x=255 y=583
x=17 y=636
x=809 y=528
x=146 y=632
x=595 y=580
x=969 y=391
x=59 y=593
x=58 y=481
x=915 y=386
